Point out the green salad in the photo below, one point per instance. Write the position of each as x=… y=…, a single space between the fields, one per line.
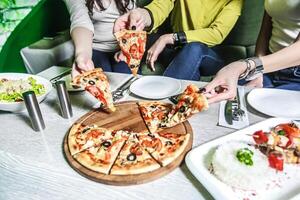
x=11 y=90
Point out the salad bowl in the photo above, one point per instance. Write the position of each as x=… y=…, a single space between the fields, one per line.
x=11 y=90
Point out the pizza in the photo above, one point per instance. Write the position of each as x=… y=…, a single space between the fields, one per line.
x=133 y=159
x=154 y=113
x=82 y=137
x=191 y=101
x=165 y=147
x=132 y=44
x=96 y=83
x=101 y=157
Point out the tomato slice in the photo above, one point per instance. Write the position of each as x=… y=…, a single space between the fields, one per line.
x=96 y=92
x=260 y=137
x=276 y=161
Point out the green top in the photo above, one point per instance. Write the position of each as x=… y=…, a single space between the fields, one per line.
x=206 y=21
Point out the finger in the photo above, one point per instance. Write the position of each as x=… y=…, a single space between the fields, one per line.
x=221 y=96
x=74 y=71
x=140 y=25
x=212 y=85
x=116 y=56
x=152 y=61
x=121 y=22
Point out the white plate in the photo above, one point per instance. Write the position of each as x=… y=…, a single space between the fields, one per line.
x=198 y=161
x=276 y=102
x=20 y=106
x=155 y=87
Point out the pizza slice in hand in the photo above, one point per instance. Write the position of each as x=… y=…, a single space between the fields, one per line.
x=96 y=83
x=191 y=101
x=154 y=113
x=132 y=44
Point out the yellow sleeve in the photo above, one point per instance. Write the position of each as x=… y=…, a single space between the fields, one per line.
x=220 y=28
x=160 y=10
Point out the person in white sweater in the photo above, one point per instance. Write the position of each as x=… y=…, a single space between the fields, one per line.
x=91 y=29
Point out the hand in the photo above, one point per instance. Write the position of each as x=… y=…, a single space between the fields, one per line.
x=119 y=56
x=256 y=83
x=82 y=63
x=157 y=48
x=224 y=85
x=136 y=19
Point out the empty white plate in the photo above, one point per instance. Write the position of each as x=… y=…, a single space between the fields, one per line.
x=275 y=102
x=155 y=87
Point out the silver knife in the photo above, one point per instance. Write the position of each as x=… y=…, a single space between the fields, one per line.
x=56 y=78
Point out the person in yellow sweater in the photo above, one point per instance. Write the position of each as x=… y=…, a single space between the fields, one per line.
x=196 y=26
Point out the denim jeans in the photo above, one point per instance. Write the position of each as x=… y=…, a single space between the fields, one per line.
x=106 y=61
x=287 y=79
x=192 y=61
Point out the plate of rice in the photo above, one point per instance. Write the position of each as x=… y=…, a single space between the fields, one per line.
x=230 y=167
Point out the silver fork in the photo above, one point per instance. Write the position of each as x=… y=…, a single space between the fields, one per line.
x=119 y=92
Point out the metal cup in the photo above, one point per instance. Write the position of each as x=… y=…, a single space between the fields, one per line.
x=64 y=99
x=34 y=111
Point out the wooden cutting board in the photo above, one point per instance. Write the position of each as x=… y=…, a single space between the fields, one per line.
x=127 y=117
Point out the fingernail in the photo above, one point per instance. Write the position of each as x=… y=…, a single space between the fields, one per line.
x=202 y=90
x=133 y=28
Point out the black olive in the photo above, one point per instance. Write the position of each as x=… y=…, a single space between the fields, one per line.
x=152 y=106
x=91 y=82
x=85 y=130
x=169 y=143
x=132 y=66
x=131 y=157
x=182 y=109
x=297 y=152
x=106 y=144
x=124 y=41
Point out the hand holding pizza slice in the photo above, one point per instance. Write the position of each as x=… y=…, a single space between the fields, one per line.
x=96 y=83
x=132 y=44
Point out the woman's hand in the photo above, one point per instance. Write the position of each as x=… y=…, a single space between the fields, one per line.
x=119 y=56
x=157 y=48
x=136 y=19
x=82 y=63
x=224 y=85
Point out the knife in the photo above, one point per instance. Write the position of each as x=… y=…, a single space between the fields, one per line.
x=228 y=112
x=56 y=78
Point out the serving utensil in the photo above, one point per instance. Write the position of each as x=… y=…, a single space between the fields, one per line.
x=119 y=92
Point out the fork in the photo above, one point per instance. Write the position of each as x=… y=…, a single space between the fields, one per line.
x=119 y=92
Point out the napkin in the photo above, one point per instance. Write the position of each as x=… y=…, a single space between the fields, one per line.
x=237 y=122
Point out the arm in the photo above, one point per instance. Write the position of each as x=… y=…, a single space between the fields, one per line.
x=262 y=42
x=228 y=76
x=220 y=28
x=82 y=30
x=159 y=10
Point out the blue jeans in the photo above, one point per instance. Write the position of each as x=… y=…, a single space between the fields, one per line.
x=106 y=61
x=282 y=80
x=192 y=61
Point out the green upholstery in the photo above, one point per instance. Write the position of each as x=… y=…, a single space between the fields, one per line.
x=51 y=16
x=46 y=19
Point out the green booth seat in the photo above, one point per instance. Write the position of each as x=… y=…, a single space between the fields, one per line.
x=46 y=19
x=49 y=17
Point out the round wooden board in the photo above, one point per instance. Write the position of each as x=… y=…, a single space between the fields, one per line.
x=127 y=117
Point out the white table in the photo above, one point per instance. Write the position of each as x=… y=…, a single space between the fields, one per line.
x=33 y=166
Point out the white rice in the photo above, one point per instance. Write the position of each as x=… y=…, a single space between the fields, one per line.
x=231 y=171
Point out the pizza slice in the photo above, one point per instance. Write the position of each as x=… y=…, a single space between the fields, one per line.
x=100 y=158
x=96 y=83
x=133 y=159
x=164 y=147
x=132 y=44
x=154 y=113
x=191 y=101
x=82 y=137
